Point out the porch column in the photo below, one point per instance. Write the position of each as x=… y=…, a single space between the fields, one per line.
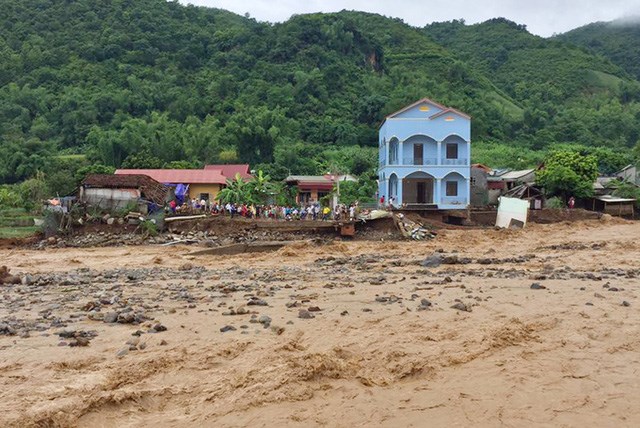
x=387 y=160
x=383 y=187
x=398 y=201
x=439 y=160
x=468 y=153
x=437 y=194
x=401 y=153
x=468 y=190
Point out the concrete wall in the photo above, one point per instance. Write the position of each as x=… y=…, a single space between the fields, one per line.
x=493 y=195
x=461 y=200
x=463 y=148
x=429 y=150
x=196 y=189
x=478 y=186
x=438 y=129
x=109 y=199
x=416 y=126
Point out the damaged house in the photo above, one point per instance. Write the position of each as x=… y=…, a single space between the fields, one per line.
x=115 y=192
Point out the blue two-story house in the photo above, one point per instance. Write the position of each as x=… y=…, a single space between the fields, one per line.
x=425 y=152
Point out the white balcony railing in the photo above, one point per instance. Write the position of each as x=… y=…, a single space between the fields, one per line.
x=411 y=161
x=459 y=161
x=420 y=161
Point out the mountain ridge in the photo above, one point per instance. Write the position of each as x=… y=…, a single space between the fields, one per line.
x=148 y=83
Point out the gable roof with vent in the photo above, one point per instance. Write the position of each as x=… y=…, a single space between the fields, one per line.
x=426 y=106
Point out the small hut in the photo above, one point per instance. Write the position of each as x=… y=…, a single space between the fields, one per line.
x=623 y=207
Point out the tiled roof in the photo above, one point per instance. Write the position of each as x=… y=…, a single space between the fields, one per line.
x=514 y=175
x=450 y=110
x=179 y=176
x=230 y=171
x=410 y=106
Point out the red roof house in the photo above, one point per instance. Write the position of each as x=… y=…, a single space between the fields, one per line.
x=230 y=171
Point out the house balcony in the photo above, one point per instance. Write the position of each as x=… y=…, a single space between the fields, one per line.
x=459 y=161
x=411 y=161
x=420 y=161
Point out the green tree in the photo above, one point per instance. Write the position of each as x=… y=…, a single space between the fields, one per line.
x=628 y=190
x=568 y=173
x=237 y=191
x=9 y=198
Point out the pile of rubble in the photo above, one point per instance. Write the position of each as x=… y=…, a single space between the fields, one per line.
x=411 y=229
x=172 y=237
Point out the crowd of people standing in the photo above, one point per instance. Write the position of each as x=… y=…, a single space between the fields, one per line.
x=311 y=211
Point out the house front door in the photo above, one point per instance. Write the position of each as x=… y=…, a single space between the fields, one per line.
x=421 y=190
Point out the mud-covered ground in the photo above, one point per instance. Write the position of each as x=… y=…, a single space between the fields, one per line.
x=537 y=327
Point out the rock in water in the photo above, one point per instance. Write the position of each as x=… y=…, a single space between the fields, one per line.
x=265 y=320
x=461 y=307
x=80 y=341
x=159 y=327
x=433 y=260
x=305 y=315
x=111 y=317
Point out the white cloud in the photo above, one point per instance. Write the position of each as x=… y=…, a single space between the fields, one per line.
x=542 y=17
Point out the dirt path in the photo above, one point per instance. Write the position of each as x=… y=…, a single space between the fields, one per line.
x=385 y=347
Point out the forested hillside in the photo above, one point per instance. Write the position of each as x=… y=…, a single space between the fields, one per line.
x=618 y=41
x=150 y=83
x=567 y=94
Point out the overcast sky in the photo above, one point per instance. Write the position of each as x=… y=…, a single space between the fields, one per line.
x=542 y=17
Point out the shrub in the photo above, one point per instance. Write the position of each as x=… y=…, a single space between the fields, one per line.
x=554 y=203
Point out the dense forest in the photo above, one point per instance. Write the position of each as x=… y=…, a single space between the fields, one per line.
x=618 y=41
x=88 y=85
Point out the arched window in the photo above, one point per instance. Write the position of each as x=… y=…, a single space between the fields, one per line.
x=393 y=186
x=393 y=151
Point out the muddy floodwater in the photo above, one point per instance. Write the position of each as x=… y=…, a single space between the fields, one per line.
x=534 y=327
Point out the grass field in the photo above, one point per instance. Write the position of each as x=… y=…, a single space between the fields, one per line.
x=16 y=223
x=18 y=232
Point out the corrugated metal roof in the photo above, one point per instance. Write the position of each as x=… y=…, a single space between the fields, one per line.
x=308 y=178
x=175 y=176
x=609 y=198
x=514 y=175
